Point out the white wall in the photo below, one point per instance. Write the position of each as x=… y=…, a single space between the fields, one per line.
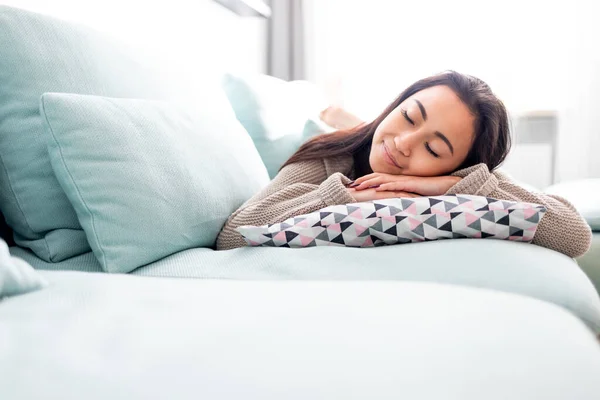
x=535 y=54
x=200 y=32
x=579 y=139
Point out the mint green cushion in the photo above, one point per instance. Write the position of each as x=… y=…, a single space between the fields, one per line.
x=41 y=54
x=278 y=115
x=147 y=178
x=16 y=275
x=499 y=265
x=105 y=337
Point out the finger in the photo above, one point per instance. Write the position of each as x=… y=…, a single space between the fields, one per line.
x=370 y=183
x=360 y=180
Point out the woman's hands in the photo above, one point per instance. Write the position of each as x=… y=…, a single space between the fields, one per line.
x=415 y=185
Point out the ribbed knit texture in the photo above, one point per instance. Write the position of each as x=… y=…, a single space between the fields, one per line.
x=308 y=186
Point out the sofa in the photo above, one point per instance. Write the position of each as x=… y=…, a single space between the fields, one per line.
x=114 y=184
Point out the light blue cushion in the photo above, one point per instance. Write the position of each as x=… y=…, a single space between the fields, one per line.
x=500 y=265
x=148 y=179
x=278 y=115
x=16 y=275
x=104 y=337
x=41 y=54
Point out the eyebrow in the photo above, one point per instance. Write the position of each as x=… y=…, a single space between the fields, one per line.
x=445 y=139
x=423 y=112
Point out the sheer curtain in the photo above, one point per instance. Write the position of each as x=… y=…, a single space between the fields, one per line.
x=536 y=55
x=285 y=50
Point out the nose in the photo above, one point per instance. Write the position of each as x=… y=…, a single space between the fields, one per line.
x=404 y=142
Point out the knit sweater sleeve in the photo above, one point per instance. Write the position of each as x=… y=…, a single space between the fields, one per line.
x=299 y=188
x=562 y=228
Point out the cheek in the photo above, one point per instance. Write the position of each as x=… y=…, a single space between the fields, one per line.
x=377 y=136
x=376 y=161
x=423 y=164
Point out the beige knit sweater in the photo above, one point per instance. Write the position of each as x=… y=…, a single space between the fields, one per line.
x=308 y=186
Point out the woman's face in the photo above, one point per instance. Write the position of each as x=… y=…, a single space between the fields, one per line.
x=428 y=134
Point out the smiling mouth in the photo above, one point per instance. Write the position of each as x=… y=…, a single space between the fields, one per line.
x=387 y=153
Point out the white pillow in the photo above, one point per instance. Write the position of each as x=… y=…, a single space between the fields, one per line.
x=397 y=221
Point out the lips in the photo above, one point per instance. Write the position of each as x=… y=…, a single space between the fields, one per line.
x=388 y=157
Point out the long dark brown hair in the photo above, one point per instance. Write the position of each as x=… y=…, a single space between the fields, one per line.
x=490 y=146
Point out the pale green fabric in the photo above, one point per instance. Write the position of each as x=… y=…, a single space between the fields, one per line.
x=278 y=115
x=101 y=336
x=147 y=178
x=501 y=265
x=41 y=54
x=16 y=275
x=590 y=261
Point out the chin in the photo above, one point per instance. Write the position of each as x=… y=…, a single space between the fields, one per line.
x=381 y=167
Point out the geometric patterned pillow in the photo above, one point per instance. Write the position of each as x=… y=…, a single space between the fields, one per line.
x=402 y=220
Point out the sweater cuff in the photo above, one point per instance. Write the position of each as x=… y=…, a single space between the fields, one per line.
x=476 y=180
x=333 y=190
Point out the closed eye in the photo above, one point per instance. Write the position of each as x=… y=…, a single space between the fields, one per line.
x=407 y=117
x=433 y=153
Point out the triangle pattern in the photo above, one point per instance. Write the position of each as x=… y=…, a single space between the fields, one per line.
x=323 y=236
x=392 y=231
x=476 y=225
x=446 y=227
x=431 y=221
x=338 y=217
x=419 y=230
x=515 y=231
x=433 y=201
x=449 y=206
x=489 y=216
x=462 y=200
x=504 y=220
x=402 y=220
x=406 y=203
x=338 y=239
x=289 y=235
x=345 y=225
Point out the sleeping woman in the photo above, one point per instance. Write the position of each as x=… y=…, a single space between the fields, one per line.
x=445 y=134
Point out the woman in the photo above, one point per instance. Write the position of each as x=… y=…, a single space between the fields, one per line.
x=441 y=124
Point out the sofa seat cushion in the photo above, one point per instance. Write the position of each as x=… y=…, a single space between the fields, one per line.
x=190 y=339
x=500 y=265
